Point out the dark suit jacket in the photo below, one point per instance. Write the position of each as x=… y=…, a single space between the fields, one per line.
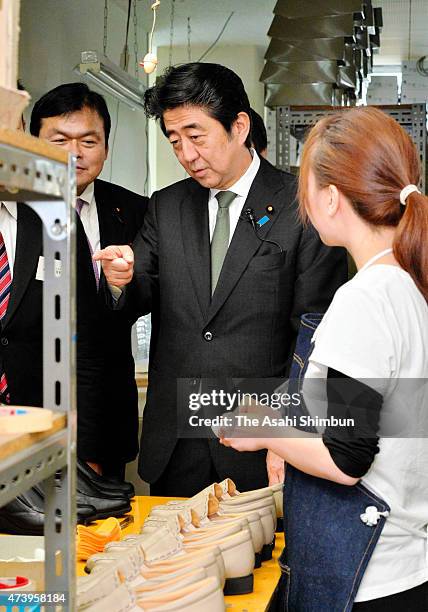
x=253 y=316
x=109 y=430
x=106 y=390
x=21 y=328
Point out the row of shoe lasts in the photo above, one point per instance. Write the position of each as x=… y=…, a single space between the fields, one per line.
x=188 y=554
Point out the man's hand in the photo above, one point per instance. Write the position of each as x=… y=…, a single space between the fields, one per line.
x=117 y=263
x=275 y=467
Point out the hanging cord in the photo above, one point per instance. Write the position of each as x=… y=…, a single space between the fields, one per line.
x=217 y=39
x=124 y=58
x=189 y=34
x=171 y=31
x=105 y=27
x=137 y=74
x=410 y=30
x=150 y=60
x=154 y=7
x=128 y=18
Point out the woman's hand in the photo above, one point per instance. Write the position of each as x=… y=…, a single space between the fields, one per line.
x=244 y=444
x=248 y=435
x=275 y=467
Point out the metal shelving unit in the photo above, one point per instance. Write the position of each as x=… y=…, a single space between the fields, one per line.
x=43 y=177
x=294 y=120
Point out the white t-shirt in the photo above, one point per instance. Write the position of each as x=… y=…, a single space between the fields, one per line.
x=377 y=328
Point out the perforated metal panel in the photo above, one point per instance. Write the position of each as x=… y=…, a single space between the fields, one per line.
x=294 y=120
x=49 y=187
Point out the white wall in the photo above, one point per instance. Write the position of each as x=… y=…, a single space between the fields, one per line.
x=53 y=33
x=246 y=61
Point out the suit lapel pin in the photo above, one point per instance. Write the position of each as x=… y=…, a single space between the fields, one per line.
x=263 y=220
x=270 y=209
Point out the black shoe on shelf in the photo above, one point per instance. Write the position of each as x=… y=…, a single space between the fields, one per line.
x=35 y=498
x=84 y=512
x=96 y=499
x=103 y=483
x=111 y=503
x=88 y=487
x=105 y=507
x=18 y=517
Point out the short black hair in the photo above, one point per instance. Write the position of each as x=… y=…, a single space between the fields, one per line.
x=215 y=88
x=66 y=99
x=258 y=132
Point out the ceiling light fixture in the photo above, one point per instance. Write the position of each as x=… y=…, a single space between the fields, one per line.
x=111 y=79
x=150 y=60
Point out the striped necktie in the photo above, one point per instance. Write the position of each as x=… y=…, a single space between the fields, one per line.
x=79 y=205
x=5 y=284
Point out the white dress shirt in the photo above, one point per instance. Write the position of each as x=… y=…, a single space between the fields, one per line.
x=89 y=218
x=241 y=188
x=8 y=228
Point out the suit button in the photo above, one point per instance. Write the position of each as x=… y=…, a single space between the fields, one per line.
x=193 y=382
x=4 y=341
x=208 y=336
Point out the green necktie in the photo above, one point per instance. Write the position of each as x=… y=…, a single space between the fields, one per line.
x=220 y=240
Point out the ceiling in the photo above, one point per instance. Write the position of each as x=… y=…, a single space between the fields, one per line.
x=403 y=18
x=248 y=25
x=252 y=19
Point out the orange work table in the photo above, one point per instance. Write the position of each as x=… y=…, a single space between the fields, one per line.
x=265 y=578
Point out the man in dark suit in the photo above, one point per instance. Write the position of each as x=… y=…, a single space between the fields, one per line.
x=226 y=290
x=77 y=119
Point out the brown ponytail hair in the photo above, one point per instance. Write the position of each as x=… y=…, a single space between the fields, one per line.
x=370 y=158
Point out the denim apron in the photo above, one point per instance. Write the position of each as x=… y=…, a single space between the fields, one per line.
x=331 y=530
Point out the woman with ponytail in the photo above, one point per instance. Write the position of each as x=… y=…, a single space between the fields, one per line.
x=356 y=501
